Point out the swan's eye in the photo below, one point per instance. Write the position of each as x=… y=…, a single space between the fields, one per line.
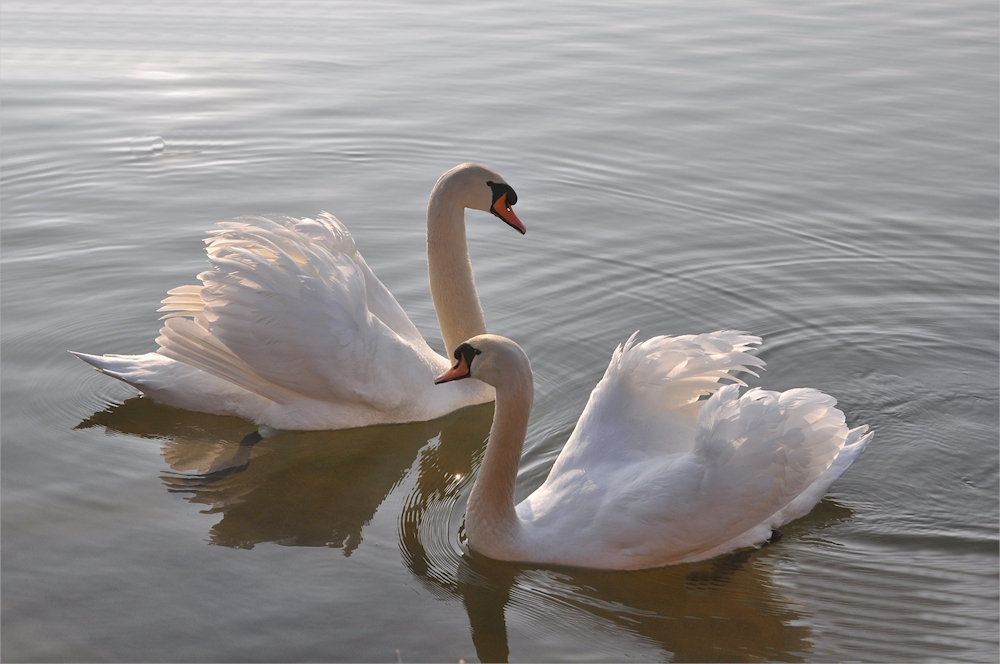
x=503 y=198
x=501 y=188
x=467 y=352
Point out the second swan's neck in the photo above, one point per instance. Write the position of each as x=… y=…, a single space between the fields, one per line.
x=491 y=522
x=453 y=287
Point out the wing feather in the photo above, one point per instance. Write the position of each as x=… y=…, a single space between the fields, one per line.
x=288 y=303
x=674 y=477
x=182 y=301
x=646 y=404
x=754 y=456
x=190 y=341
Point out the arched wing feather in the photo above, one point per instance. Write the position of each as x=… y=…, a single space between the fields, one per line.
x=327 y=231
x=647 y=402
x=293 y=300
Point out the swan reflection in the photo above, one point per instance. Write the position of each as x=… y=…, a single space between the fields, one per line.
x=323 y=488
x=725 y=609
x=316 y=488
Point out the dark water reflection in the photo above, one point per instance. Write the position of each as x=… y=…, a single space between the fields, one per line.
x=297 y=489
x=723 y=610
x=322 y=489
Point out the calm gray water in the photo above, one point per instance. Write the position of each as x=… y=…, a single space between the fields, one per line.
x=823 y=174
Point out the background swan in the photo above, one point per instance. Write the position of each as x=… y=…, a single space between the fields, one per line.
x=653 y=474
x=291 y=329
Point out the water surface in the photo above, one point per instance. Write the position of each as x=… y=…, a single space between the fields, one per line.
x=822 y=174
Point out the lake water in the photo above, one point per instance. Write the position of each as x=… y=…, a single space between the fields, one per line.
x=823 y=174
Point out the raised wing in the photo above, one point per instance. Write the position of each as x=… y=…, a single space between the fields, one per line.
x=647 y=403
x=327 y=231
x=290 y=302
x=672 y=477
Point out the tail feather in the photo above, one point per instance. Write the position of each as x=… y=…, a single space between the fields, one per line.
x=785 y=448
x=122 y=367
x=856 y=442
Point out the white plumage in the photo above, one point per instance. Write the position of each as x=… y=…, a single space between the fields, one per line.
x=654 y=473
x=290 y=327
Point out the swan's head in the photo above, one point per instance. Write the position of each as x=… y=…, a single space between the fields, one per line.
x=491 y=359
x=477 y=187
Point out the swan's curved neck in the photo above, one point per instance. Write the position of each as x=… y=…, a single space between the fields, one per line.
x=491 y=522
x=453 y=287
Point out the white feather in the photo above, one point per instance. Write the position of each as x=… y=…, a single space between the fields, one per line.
x=289 y=327
x=654 y=474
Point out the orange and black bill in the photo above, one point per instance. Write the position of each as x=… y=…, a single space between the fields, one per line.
x=460 y=370
x=503 y=198
x=465 y=353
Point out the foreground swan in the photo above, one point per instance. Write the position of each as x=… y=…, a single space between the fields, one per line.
x=652 y=475
x=291 y=329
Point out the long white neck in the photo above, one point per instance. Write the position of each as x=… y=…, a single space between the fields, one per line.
x=491 y=522
x=452 y=285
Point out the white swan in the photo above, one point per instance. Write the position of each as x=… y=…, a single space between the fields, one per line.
x=291 y=329
x=653 y=474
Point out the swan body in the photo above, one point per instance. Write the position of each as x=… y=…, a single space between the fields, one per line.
x=654 y=474
x=291 y=329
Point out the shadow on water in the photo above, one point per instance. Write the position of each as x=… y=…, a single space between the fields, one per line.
x=317 y=488
x=323 y=488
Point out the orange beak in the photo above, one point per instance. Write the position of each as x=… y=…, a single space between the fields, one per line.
x=460 y=370
x=505 y=212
